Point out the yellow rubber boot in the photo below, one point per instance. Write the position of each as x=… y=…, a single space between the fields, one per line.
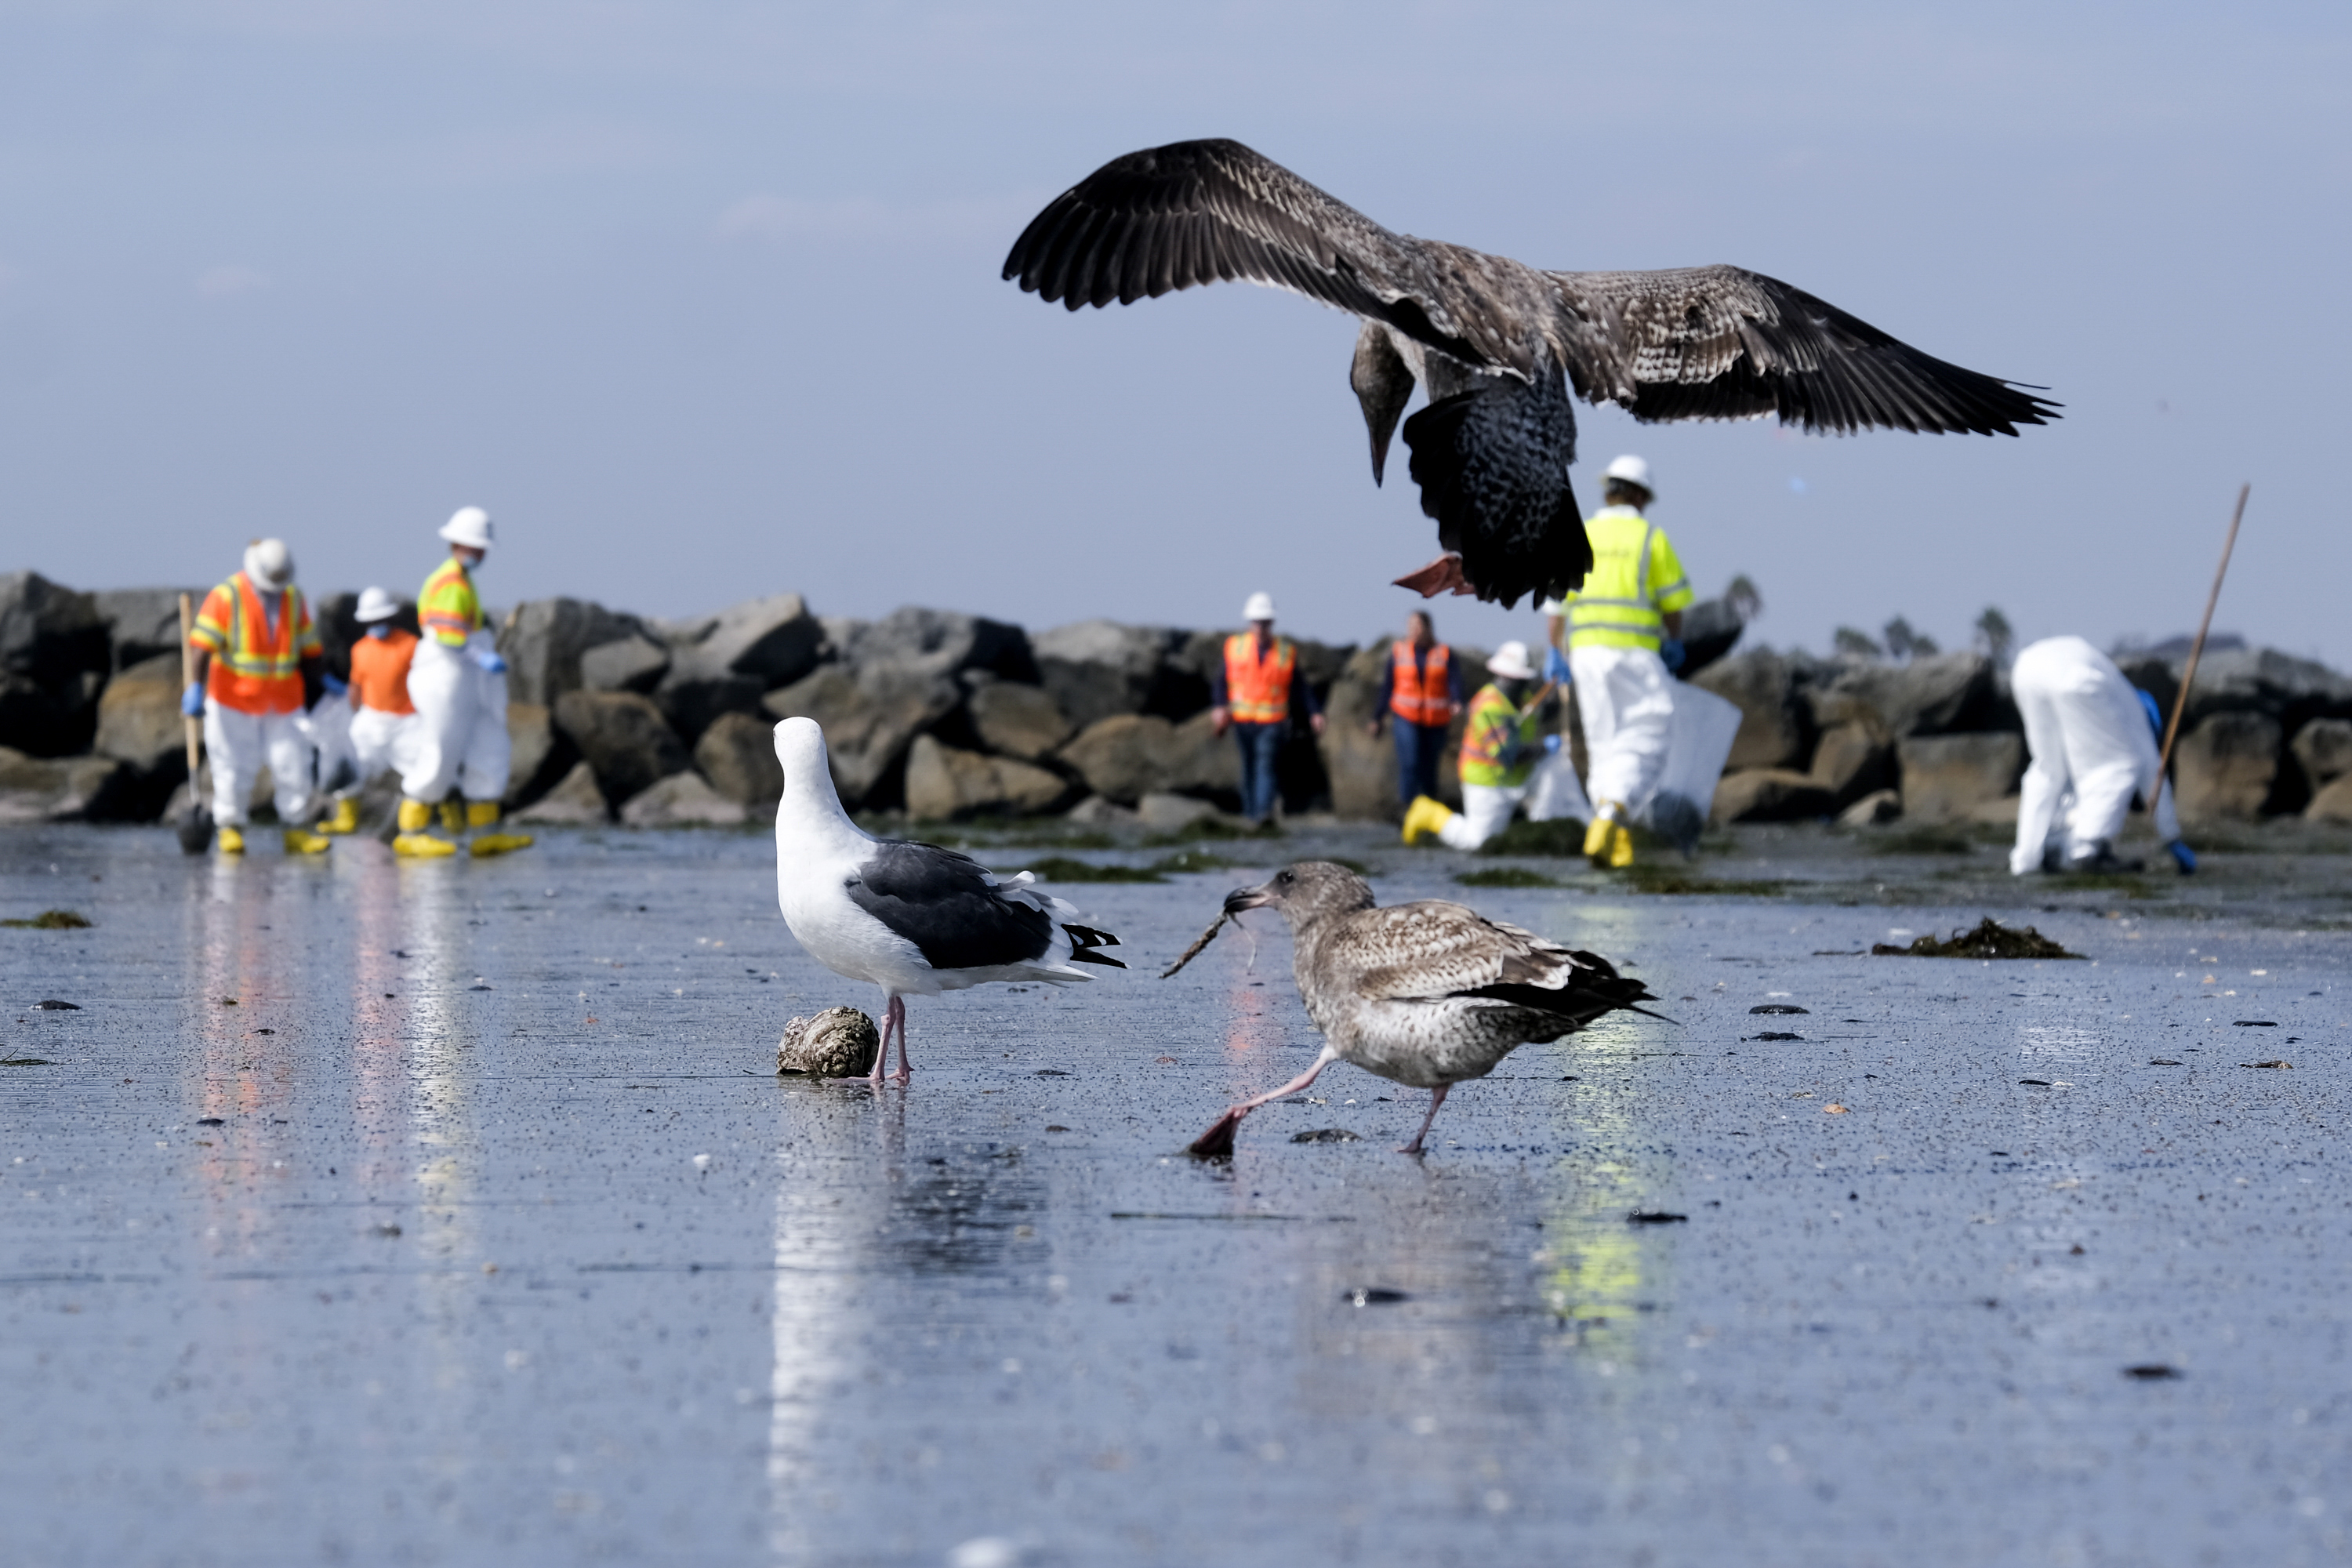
x=301 y=841
x=1425 y=818
x=414 y=841
x=1621 y=847
x=1599 y=836
x=480 y=813
x=345 y=818
x=230 y=840
x=453 y=817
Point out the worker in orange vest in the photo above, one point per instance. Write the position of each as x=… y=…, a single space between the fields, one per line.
x=259 y=663
x=1254 y=691
x=1421 y=690
x=383 y=721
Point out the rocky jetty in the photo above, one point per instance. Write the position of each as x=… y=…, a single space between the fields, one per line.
x=619 y=718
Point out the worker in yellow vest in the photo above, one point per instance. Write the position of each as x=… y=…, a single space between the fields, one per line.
x=258 y=664
x=459 y=683
x=1421 y=690
x=1254 y=691
x=1505 y=758
x=1623 y=628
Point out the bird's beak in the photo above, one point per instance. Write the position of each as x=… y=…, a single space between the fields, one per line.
x=1241 y=899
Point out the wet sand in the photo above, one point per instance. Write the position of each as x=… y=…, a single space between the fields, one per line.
x=480 y=1230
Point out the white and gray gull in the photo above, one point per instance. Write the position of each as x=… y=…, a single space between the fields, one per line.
x=1497 y=344
x=1427 y=994
x=913 y=919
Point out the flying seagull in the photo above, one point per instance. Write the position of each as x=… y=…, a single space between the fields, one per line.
x=1497 y=344
x=1427 y=994
x=913 y=919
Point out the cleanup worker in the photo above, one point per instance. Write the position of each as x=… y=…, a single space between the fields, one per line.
x=382 y=720
x=1420 y=689
x=2093 y=736
x=1503 y=748
x=459 y=683
x=1622 y=629
x=258 y=664
x=1254 y=691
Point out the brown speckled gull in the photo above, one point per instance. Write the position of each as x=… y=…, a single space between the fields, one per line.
x=1427 y=994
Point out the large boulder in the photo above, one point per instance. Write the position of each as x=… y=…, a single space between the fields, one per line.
x=1093 y=669
x=542 y=755
x=927 y=642
x=870 y=717
x=2333 y=803
x=2323 y=749
x=1362 y=766
x=743 y=652
x=542 y=641
x=624 y=738
x=1016 y=721
x=144 y=622
x=68 y=789
x=1770 y=794
x=1711 y=628
x=1853 y=759
x=1935 y=695
x=1946 y=777
x=2224 y=768
x=1129 y=755
x=738 y=755
x=575 y=801
x=1771 y=729
x=682 y=800
x=55 y=654
x=139 y=725
x=945 y=782
x=631 y=664
x=2261 y=680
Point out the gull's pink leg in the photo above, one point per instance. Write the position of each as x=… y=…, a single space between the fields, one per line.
x=1436 y=1098
x=898 y=1011
x=882 y=1057
x=1219 y=1139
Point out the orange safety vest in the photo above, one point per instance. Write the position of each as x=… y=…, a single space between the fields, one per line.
x=1257 y=690
x=255 y=669
x=1420 y=695
x=380 y=671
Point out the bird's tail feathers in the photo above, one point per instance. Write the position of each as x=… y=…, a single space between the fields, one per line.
x=1086 y=940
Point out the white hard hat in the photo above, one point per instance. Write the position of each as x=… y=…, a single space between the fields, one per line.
x=1259 y=608
x=469 y=525
x=375 y=604
x=1510 y=662
x=1634 y=471
x=269 y=563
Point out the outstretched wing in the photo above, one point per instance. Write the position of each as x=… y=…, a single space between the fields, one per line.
x=1434 y=949
x=1719 y=343
x=1208 y=211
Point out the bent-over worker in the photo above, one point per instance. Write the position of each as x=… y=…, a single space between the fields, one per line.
x=2093 y=738
x=382 y=718
x=1503 y=748
x=258 y=665
x=459 y=683
x=1420 y=689
x=1254 y=691
x=1624 y=628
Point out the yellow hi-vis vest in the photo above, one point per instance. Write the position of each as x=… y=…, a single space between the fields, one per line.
x=446 y=606
x=1636 y=579
x=257 y=667
x=1498 y=747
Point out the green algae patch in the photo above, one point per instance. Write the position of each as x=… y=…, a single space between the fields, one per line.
x=1507 y=877
x=1064 y=869
x=51 y=919
x=1989 y=940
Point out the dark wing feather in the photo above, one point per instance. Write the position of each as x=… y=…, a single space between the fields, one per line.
x=1434 y=949
x=1209 y=212
x=1719 y=343
x=946 y=904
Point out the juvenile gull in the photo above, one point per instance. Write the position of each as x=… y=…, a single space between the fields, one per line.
x=1499 y=345
x=1427 y=994
x=913 y=919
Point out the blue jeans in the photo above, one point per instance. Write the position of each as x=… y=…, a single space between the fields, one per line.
x=1260 y=744
x=1418 y=748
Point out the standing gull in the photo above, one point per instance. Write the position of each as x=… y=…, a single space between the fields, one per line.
x=1499 y=345
x=1427 y=994
x=914 y=918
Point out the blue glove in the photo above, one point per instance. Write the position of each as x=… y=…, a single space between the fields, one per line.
x=2183 y=856
x=1555 y=665
x=192 y=701
x=1552 y=744
x=489 y=659
x=1670 y=650
x=335 y=686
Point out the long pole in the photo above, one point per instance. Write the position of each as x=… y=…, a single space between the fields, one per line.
x=2197 y=649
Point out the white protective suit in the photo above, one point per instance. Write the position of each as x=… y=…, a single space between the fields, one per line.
x=380 y=741
x=239 y=745
x=327 y=729
x=1550 y=793
x=2092 y=749
x=460 y=736
x=1626 y=698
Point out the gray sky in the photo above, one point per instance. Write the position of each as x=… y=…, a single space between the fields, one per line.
x=702 y=301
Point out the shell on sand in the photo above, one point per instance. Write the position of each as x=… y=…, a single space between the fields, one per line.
x=839 y=1042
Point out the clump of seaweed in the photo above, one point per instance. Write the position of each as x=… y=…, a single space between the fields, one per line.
x=1065 y=868
x=51 y=919
x=1507 y=877
x=1989 y=940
